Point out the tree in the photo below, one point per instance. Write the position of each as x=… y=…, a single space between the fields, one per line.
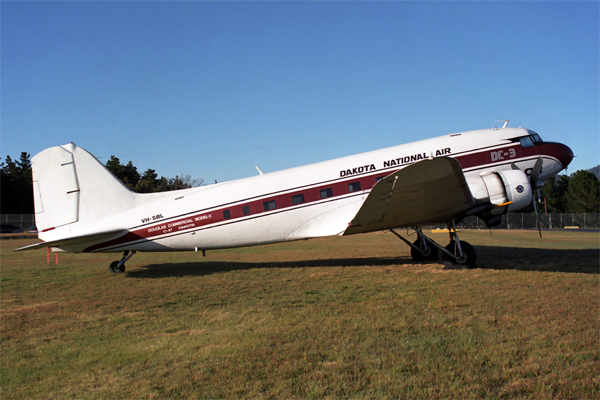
x=147 y=182
x=583 y=193
x=595 y=171
x=126 y=173
x=16 y=185
x=177 y=183
x=555 y=192
x=114 y=165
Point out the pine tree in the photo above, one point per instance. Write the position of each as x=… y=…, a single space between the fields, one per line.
x=555 y=192
x=583 y=194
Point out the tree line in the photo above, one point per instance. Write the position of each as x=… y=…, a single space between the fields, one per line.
x=16 y=192
x=149 y=182
x=578 y=192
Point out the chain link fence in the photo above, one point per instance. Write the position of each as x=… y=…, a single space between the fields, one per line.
x=527 y=221
x=12 y=223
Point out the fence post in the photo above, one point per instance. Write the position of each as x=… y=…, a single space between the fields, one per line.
x=584 y=220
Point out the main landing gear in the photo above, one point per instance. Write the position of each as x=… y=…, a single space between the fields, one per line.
x=118 y=267
x=456 y=252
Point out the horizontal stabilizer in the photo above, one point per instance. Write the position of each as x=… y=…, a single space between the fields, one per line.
x=76 y=240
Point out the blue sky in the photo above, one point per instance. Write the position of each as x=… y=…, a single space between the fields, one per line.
x=212 y=89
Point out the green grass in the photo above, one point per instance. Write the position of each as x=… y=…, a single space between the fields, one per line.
x=334 y=317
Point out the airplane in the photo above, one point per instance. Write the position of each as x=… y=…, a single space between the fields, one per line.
x=81 y=207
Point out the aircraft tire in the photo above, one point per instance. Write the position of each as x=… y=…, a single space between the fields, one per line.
x=469 y=255
x=115 y=269
x=112 y=266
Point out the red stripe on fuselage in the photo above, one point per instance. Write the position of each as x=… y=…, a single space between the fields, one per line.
x=194 y=221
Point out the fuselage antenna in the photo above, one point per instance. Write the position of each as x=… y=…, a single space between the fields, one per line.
x=505 y=122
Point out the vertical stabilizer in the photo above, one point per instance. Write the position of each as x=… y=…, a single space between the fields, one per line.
x=72 y=187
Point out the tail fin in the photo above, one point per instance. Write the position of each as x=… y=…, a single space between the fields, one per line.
x=70 y=185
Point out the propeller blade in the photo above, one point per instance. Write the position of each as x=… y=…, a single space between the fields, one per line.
x=514 y=166
x=537 y=220
x=536 y=171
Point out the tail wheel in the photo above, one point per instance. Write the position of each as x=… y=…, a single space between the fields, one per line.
x=469 y=255
x=430 y=253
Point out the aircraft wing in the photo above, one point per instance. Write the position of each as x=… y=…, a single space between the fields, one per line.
x=76 y=240
x=426 y=192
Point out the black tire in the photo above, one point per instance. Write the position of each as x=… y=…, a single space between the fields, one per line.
x=112 y=267
x=469 y=258
x=115 y=269
x=417 y=255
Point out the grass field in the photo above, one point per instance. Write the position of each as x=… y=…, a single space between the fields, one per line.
x=325 y=318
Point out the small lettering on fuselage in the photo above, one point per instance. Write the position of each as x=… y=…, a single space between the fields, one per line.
x=152 y=218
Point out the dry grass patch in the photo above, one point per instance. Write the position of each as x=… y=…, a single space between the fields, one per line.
x=334 y=317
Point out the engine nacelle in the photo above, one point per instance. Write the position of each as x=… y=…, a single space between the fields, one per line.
x=501 y=187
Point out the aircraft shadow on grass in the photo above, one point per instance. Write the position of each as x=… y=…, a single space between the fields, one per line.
x=535 y=259
x=213 y=267
x=497 y=258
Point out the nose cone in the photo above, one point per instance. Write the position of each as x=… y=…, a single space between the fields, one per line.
x=564 y=154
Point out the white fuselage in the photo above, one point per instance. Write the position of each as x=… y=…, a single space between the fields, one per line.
x=309 y=201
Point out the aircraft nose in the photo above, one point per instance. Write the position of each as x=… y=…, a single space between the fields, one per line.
x=564 y=154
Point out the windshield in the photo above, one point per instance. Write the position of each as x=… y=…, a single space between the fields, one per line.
x=526 y=142
x=531 y=140
x=535 y=137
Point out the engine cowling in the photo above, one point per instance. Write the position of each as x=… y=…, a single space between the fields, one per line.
x=499 y=187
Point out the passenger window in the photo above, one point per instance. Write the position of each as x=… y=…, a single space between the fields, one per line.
x=269 y=205
x=298 y=199
x=226 y=214
x=246 y=210
x=354 y=187
x=325 y=193
x=526 y=142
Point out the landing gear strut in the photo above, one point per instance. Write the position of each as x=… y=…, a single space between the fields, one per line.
x=456 y=252
x=419 y=250
x=118 y=267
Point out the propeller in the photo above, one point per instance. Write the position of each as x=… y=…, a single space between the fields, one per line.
x=533 y=177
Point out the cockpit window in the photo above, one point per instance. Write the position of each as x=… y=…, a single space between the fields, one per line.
x=535 y=137
x=526 y=142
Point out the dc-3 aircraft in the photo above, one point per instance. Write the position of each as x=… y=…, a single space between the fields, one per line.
x=81 y=207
